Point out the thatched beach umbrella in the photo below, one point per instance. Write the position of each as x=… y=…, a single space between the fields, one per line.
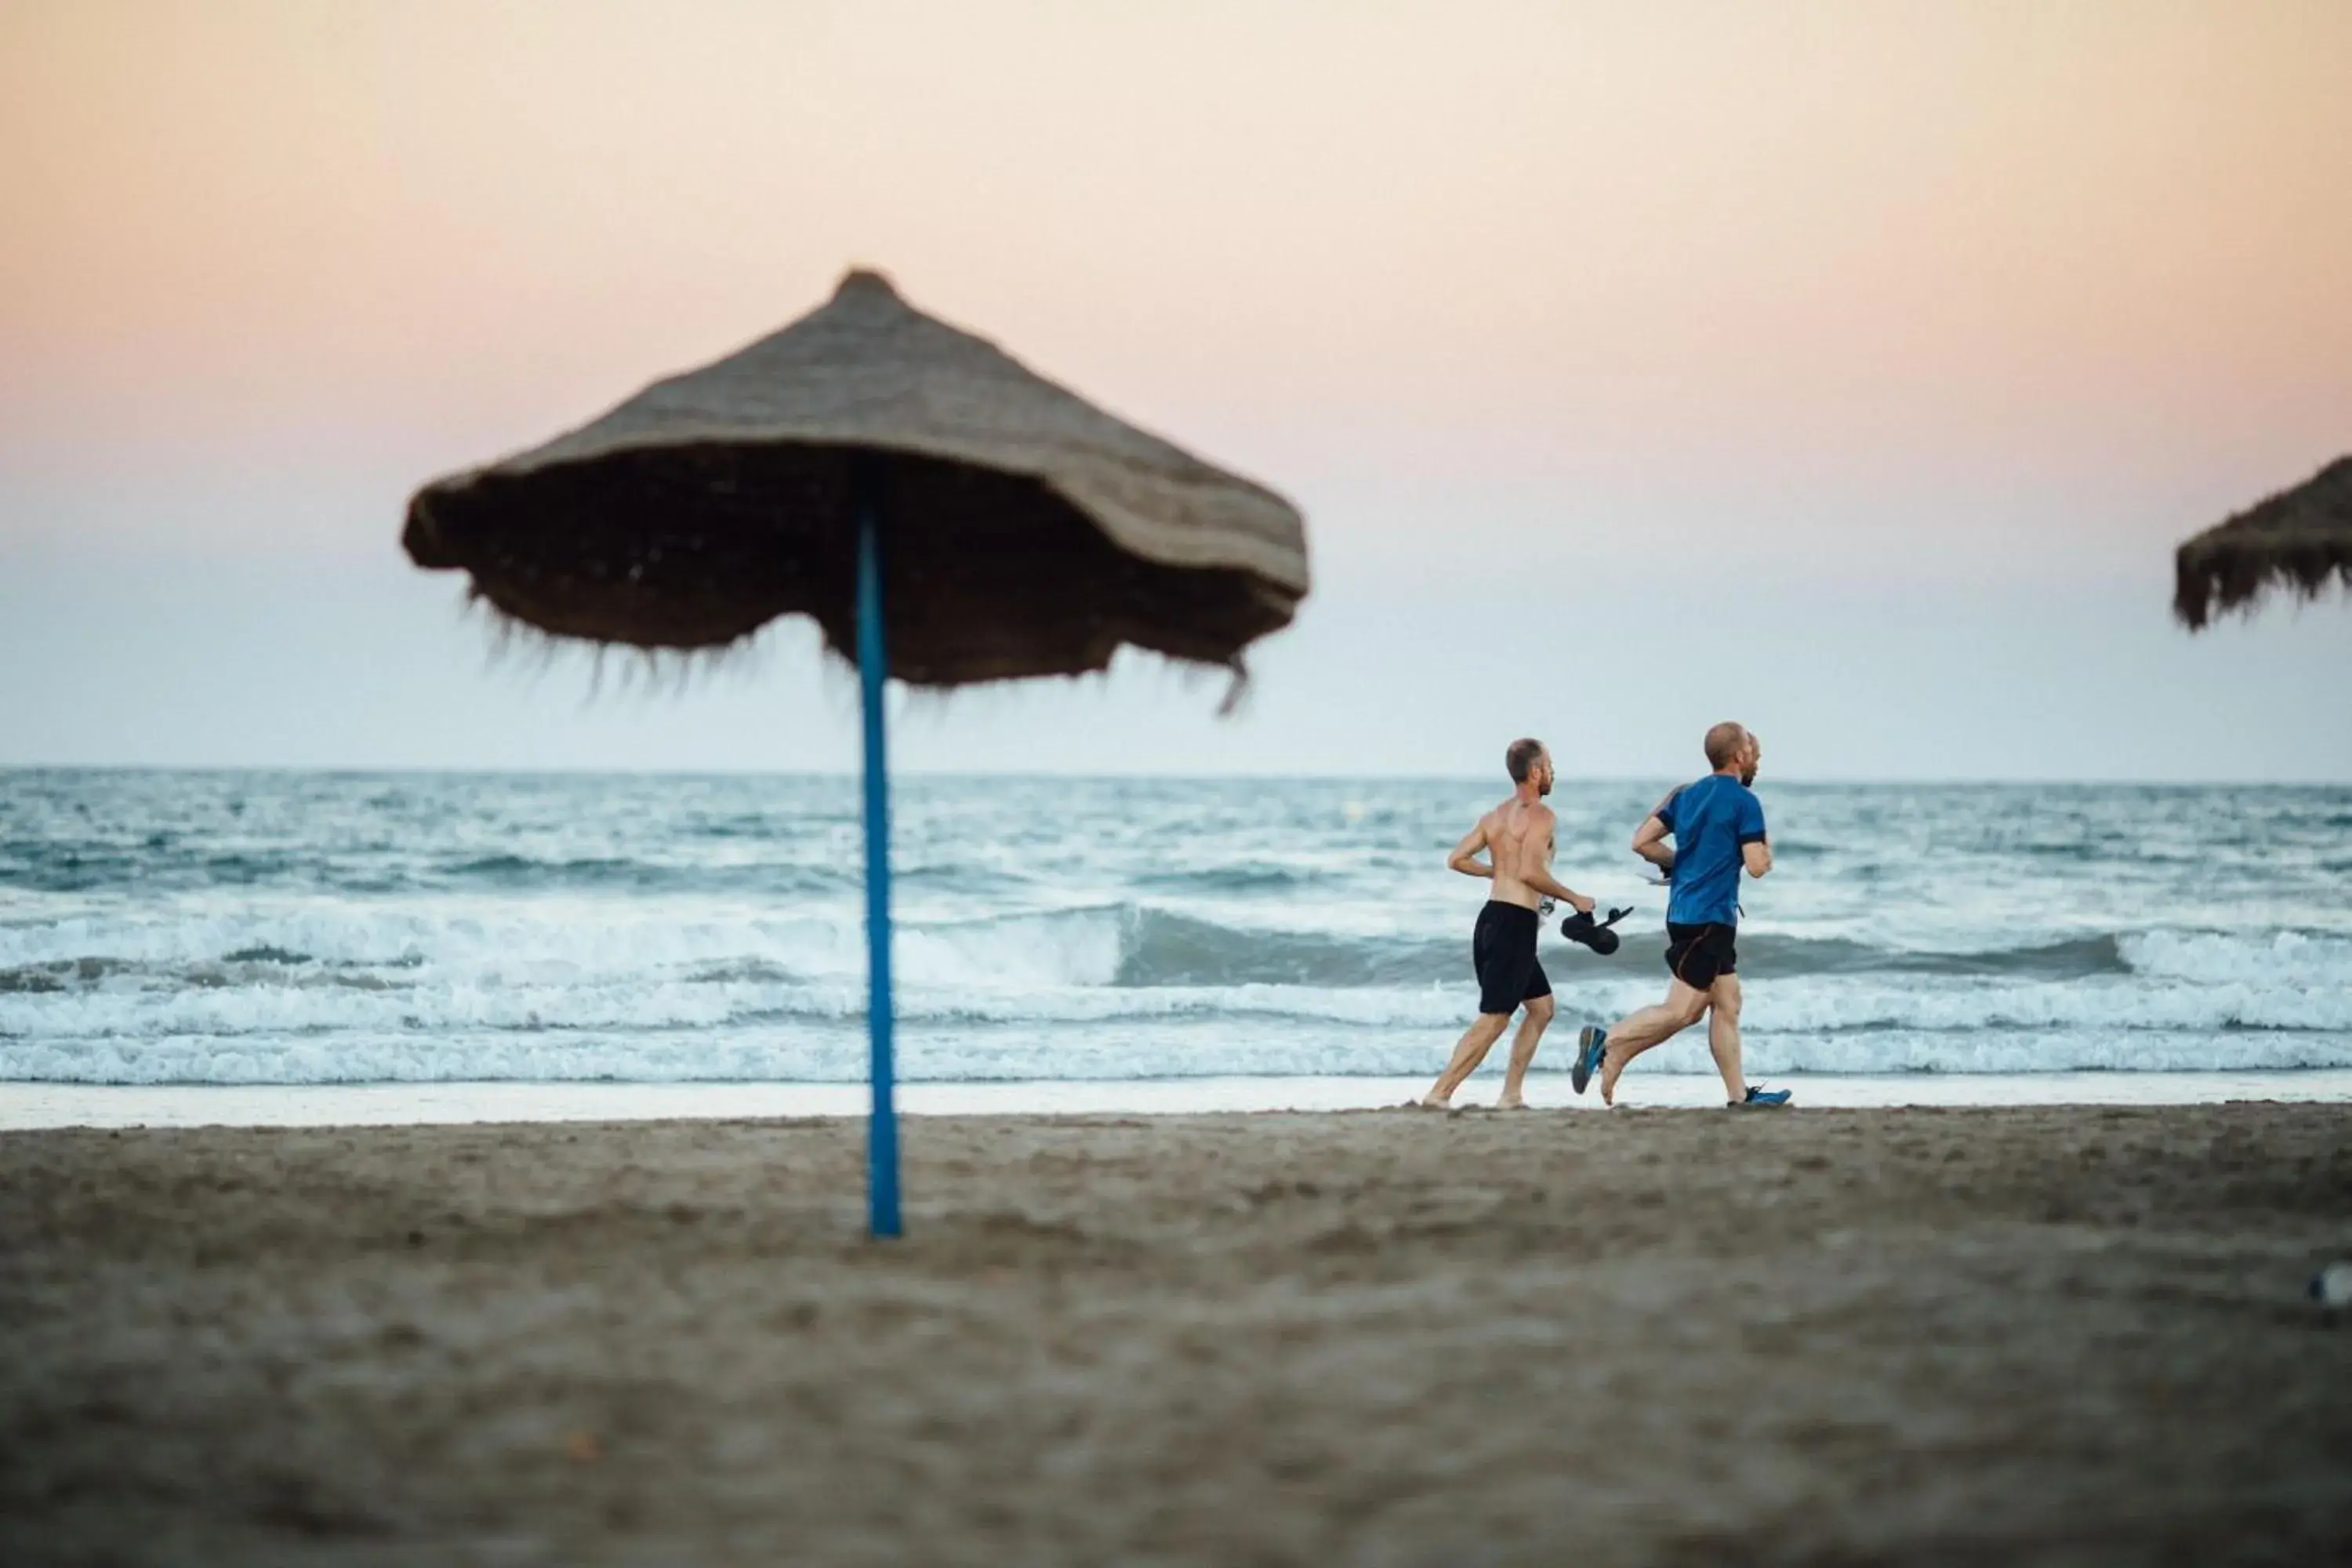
x=869 y=455
x=2297 y=539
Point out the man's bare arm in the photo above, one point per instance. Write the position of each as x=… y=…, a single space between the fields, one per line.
x=1759 y=856
x=1650 y=844
x=1464 y=856
x=1537 y=875
x=1551 y=887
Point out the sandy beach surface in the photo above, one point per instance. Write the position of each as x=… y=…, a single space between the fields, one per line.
x=2061 y=1334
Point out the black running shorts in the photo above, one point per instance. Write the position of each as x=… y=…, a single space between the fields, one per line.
x=1699 y=954
x=1503 y=949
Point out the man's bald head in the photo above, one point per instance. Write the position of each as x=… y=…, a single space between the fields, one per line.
x=1724 y=745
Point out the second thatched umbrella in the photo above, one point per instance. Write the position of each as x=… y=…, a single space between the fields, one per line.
x=2297 y=539
x=869 y=455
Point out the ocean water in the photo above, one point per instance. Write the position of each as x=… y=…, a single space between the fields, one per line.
x=313 y=929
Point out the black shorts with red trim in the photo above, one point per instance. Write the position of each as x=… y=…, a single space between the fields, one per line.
x=1700 y=954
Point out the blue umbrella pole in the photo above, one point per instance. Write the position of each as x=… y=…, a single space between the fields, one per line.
x=873 y=666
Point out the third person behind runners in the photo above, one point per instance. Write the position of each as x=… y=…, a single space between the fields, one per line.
x=1717 y=826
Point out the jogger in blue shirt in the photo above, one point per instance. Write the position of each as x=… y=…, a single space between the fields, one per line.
x=1717 y=826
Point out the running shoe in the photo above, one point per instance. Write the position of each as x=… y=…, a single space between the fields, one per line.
x=1589 y=1044
x=1760 y=1098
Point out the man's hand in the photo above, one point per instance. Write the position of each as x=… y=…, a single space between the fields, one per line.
x=1551 y=887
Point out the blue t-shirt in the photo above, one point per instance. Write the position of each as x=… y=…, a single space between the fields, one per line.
x=1712 y=821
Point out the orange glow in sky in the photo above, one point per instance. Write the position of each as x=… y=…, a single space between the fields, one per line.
x=1508 y=229
x=1965 y=296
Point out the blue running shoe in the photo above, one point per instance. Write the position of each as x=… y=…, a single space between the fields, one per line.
x=1760 y=1098
x=1589 y=1044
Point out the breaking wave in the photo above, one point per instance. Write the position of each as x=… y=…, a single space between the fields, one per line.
x=1123 y=945
x=228 y=927
x=348 y=994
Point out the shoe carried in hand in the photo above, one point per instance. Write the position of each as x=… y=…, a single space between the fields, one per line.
x=1594 y=934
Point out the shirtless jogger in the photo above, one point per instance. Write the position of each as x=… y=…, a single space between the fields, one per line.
x=1517 y=837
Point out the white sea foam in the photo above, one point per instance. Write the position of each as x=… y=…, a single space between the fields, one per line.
x=2270 y=958
x=530 y=997
x=1085 y=946
x=1078 y=947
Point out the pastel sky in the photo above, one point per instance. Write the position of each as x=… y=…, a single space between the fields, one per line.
x=1850 y=368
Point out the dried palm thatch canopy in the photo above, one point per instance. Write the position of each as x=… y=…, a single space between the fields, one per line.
x=1025 y=531
x=2298 y=538
x=944 y=515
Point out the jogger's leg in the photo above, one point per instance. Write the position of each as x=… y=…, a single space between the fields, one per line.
x=1637 y=1032
x=1523 y=1051
x=1469 y=1052
x=1723 y=1035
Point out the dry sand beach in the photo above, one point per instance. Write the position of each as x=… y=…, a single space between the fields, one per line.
x=2043 y=1334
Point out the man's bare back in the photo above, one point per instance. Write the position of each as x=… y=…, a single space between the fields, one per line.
x=1520 y=837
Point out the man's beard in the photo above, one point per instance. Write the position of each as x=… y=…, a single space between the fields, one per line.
x=1746 y=776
